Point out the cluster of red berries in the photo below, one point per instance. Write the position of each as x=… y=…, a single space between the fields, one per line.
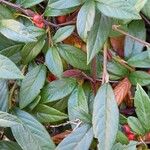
x=38 y=20
x=128 y=132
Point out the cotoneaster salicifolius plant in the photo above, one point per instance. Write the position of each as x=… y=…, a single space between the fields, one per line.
x=75 y=74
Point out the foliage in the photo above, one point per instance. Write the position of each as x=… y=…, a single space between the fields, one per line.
x=77 y=67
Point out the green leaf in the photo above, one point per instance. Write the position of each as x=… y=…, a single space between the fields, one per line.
x=54 y=62
x=77 y=105
x=98 y=35
x=136 y=125
x=137 y=29
x=63 y=4
x=117 y=70
x=8 y=70
x=141 y=60
x=33 y=104
x=3 y=95
x=80 y=139
x=31 y=50
x=74 y=56
x=12 y=52
x=5 y=13
x=121 y=138
x=56 y=11
x=140 y=77
x=130 y=146
x=9 y=145
x=120 y=9
x=142 y=105
x=58 y=89
x=139 y=4
x=31 y=134
x=8 y=120
x=105 y=117
x=85 y=19
x=16 y=31
x=29 y=3
x=46 y=114
x=146 y=9
x=31 y=85
x=63 y=33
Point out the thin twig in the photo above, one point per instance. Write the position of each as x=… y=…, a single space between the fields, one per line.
x=13 y=88
x=105 y=78
x=143 y=16
x=94 y=74
x=116 y=28
x=74 y=122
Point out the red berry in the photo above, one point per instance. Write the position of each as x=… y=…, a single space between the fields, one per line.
x=51 y=77
x=38 y=20
x=39 y=25
x=61 y=19
x=131 y=136
x=127 y=129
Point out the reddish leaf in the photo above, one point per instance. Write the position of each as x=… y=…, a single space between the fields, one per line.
x=121 y=90
x=118 y=44
x=59 y=137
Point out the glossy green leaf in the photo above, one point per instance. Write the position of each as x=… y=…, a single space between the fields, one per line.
x=105 y=117
x=62 y=33
x=58 y=89
x=9 y=145
x=119 y=9
x=3 y=95
x=16 y=31
x=141 y=60
x=74 y=56
x=136 y=125
x=141 y=77
x=31 y=50
x=142 y=105
x=31 y=134
x=98 y=35
x=78 y=105
x=8 y=70
x=85 y=19
x=46 y=114
x=80 y=139
x=31 y=85
x=54 y=62
x=137 y=29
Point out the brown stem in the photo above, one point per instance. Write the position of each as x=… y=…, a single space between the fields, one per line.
x=94 y=74
x=116 y=28
x=123 y=63
x=105 y=78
